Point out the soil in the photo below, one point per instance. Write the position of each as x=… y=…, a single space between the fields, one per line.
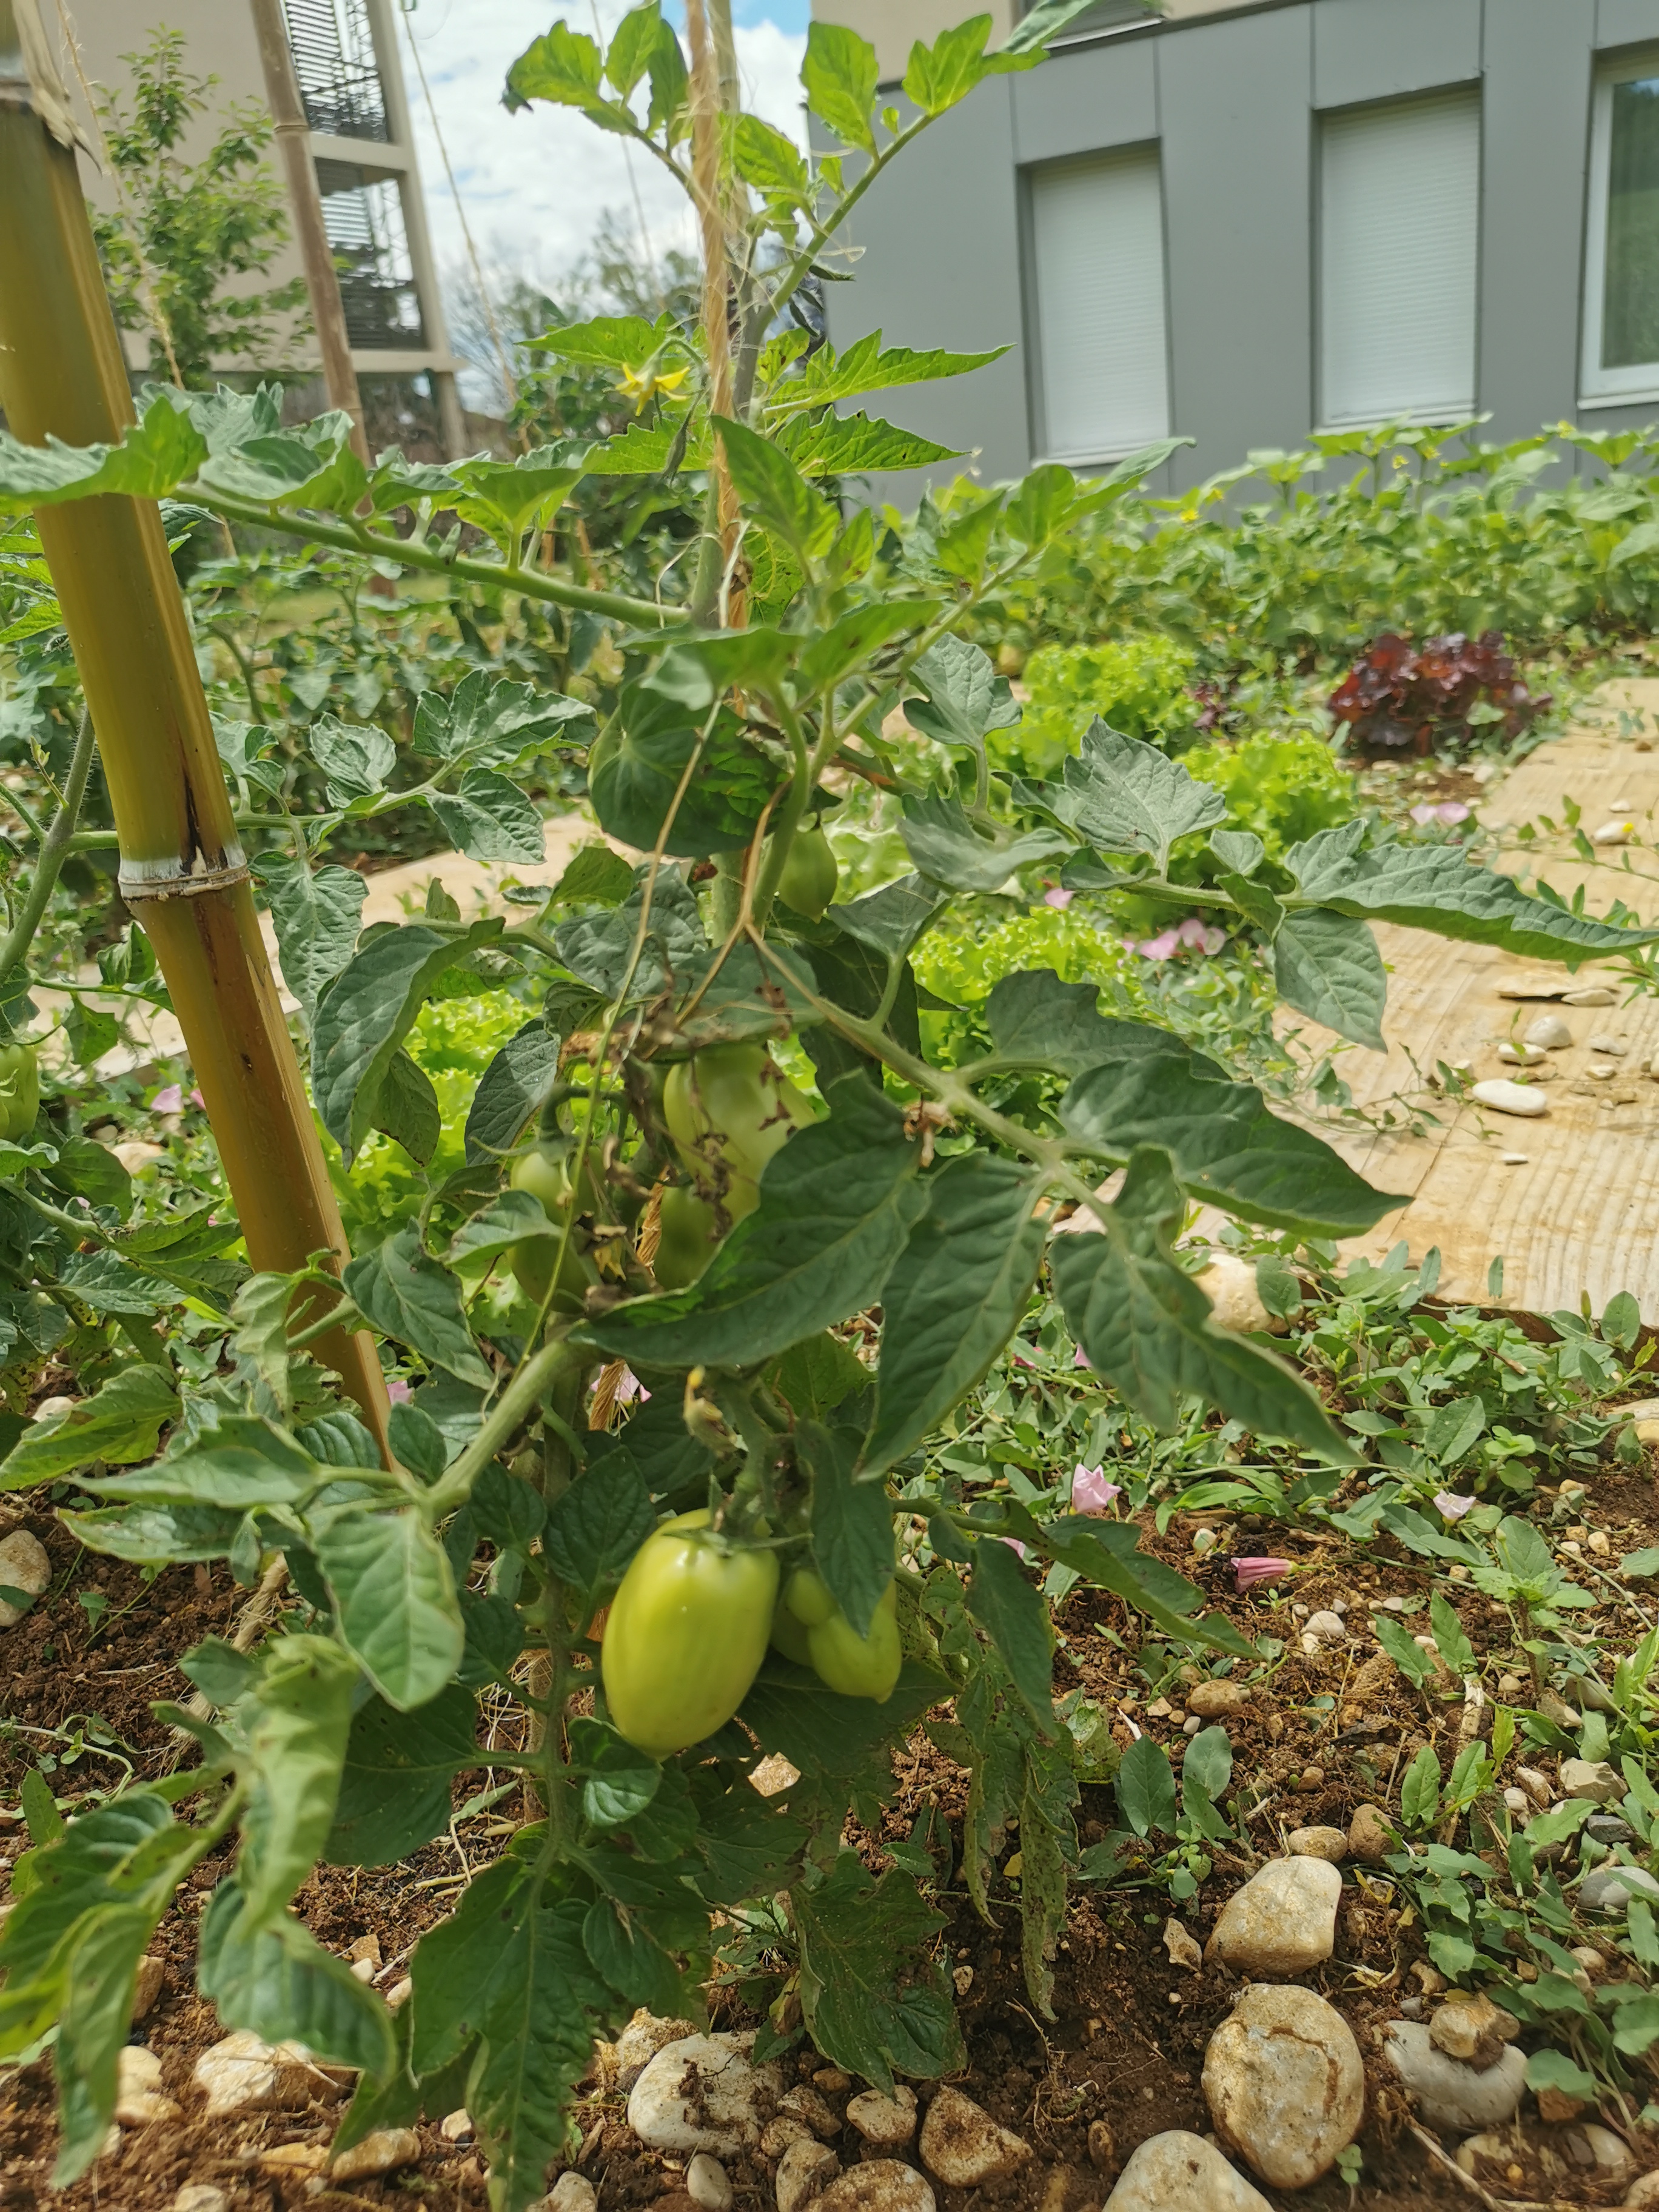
x=1122 y=2059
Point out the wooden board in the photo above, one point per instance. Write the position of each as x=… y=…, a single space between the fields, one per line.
x=1579 y=1213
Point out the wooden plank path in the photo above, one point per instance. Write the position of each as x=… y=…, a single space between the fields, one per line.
x=1579 y=1210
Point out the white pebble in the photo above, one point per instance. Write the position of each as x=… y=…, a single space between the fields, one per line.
x=1520 y=1055
x=1610 y=1045
x=1516 y=1160
x=1511 y=1098
x=1612 y=833
x=706 y=2184
x=1549 y=1033
x=1592 y=995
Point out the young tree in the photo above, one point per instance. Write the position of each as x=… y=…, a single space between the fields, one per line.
x=182 y=231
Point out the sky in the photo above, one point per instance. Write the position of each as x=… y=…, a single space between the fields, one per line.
x=535 y=184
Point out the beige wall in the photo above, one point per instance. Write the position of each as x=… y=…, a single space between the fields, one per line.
x=892 y=26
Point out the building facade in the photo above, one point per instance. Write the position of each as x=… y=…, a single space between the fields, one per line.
x=350 y=78
x=1244 y=223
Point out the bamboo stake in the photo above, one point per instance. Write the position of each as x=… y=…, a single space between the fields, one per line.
x=293 y=134
x=713 y=94
x=183 y=872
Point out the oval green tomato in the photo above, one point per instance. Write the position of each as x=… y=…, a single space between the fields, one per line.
x=810 y=874
x=860 y=1665
x=807 y=1597
x=733 y=1101
x=686 y=1635
x=545 y=1174
x=20 y=1090
x=688 y=1237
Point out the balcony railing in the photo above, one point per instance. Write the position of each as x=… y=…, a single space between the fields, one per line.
x=334 y=61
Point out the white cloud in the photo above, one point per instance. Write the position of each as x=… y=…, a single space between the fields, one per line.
x=535 y=184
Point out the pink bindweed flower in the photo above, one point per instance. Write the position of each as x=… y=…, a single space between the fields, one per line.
x=1057 y=896
x=1090 y=1491
x=170 y=1101
x=1448 y=811
x=1161 y=947
x=1014 y=1545
x=399 y=1391
x=1021 y=1361
x=1452 y=1503
x=1080 y=1359
x=197 y=1099
x=1247 y=1573
x=629 y=1388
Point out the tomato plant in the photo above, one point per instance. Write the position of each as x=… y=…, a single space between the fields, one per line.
x=803 y=1283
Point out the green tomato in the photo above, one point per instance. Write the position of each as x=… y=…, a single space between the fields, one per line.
x=20 y=1090
x=810 y=874
x=860 y=1665
x=689 y=1238
x=545 y=1174
x=789 y=1636
x=686 y=1634
x=735 y=1103
x=808 y=1597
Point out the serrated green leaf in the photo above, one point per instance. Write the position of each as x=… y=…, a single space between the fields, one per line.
x=1145 y=1325
x=1436 y=887
x=1126 y=797
x=599 y=949
x=394 y=1601
x=851 y=1522
x=295 y=1718
x=636 y=780
x=407 y=1296
x=278 y=1983
x=394 y=1792
x=954 y=1298
x=490 y=818
x=1326 y=966
x=945 y=846
x=317 y=913
x=1227 y=1147
x=1145 y=1784
x=153 y=456
x=873 y=1984
x=839 y=76
x=406 y=1108
x=355 y=758
x=618 y=1779
x=596 y=1525
x=854 y=445
x=1011 y=1612
x=118 y=1423
x=866 y=366
x=772 y=488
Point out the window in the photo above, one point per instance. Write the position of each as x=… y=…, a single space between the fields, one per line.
x=1621 y=293
x=1400 y=226
x=1097 y=228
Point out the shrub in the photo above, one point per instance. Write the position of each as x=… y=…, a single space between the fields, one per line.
x=1138 y=684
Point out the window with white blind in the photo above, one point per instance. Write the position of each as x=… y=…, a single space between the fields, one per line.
x=1097 y=230
x=1399 y=237
x=1621 y=289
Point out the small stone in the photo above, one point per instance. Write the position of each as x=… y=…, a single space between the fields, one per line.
x=23 y=1566
x=1612 y=833
x=962 y=1979
x=1610 y=1047
x=457 y=2126
x=400 y=1993
x=138 y=2099
x=152 y=1974
x=1329 y=1843
x=1285 y=2084
x=364 y=1950
x=1518 y=1803
x=645 y=2035
x=833 y=2081
x=779 y=2133
x=1473 y=2028
x=701 y=2092
x=1592 y=1778
x=1610 y=1888
x=1370 y=1835
x=241 y=2074
x=1327 y=1627
x=706 y=2184
x=1642 y=2193
x=1283 y=1920
x=879 y=2185
x=1509 y=1686
x=1548 y=1033
x=1510 y=1098
x=1536 y=1785
x=382 y=2150
x=1590 y=994
x=294 y=2158
x=1102 y=2146
x=963 y=2146
x=1448 y=2094
x=1513 y=1159
x=1557 y=1709
x=805 y=2169
x=1310 y=1779
x=1182 y=2173
x=1520 y=1055
x=1607 y=2153
x=886 y=2120
x=200 y=2197
x=808 y=2104
x=1588 y=1960
x=1181 y=1947
x=1214 y=1701
x=50 y=1409
x=1229 y=1283
x=1556 y=2107
x=571 y=2192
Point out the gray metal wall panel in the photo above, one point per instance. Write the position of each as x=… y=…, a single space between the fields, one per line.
x=1377 y=49
x=1233 y=98
x=1535 y=143
x=940 y=267
x=1085 y=102
x=1626 y=22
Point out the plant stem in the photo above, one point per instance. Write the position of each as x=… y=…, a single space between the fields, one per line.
x=537 y=1377
x=410 y=553
x=53 y=847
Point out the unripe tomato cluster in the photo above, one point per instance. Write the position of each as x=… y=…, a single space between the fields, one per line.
x=20 y=1090
x=728 y=1110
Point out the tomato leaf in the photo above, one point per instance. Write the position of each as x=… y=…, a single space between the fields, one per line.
x=279 y=1984
x=873 y=1985
x=394 y=1600
x=1013 y=1615
x=394 y=1784
x=118 y=1423
x=851 y=1522
x=954 y=1298
x=409 y=1296
x=596 y=1525
x=295 y=1719
x=490 y=818
x=1326 y=966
